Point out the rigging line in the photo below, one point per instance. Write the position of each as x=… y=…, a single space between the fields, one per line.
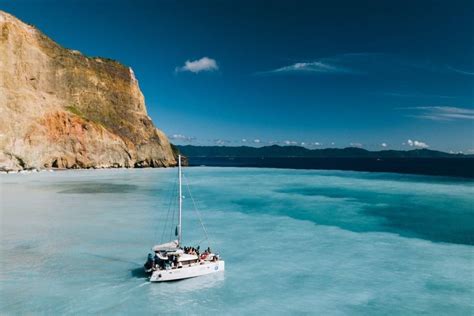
x=165 y=223
x=171 y=219
x=173 y=208
x=199 y=243
x=169 y=209
x=196 y=209
x=159 y=223
x=171 y=229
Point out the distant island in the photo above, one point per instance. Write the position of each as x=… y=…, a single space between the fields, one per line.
x=298 y=151
x=417 y=161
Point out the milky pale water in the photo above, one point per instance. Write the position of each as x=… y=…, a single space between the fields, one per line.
x=294 y=241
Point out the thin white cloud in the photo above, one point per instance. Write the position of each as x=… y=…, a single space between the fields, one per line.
x=256 y=141
x=181 y=137
x=221 y=142
x=442 y=113
x=244 y=140
x=383 y=145
x=365 y=63
x=416 y=95
x=416 y=143
x=358 y=145
x=290 y=143
x=310 y=67
x=460 y=71
x=199 y=65
x=351 y=63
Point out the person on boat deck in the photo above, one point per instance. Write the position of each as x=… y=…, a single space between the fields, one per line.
x=157 y=261
x=149 y=262
x=191 y=250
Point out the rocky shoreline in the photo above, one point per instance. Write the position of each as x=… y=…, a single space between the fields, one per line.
x=34 y=170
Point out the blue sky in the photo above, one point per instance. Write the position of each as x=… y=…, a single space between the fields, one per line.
x=376 y=74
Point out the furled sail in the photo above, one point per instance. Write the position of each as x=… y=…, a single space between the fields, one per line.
x=172 y=245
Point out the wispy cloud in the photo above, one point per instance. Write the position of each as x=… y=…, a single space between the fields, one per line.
x=416 y=95
x=384 y=145
x=310 y=67
x=442 y=113
x=428 y=66
x=181 y=137
x=221 y=142
x=358 y=145
x=461 y=71
x=364 y=63
x=339 y=64
x=416 y=143
x=199 y=65
x=259 y=141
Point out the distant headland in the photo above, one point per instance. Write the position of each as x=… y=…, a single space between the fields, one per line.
x=417 y=161
x=298 y=151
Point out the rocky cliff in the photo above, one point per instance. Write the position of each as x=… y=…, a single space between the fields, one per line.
x=59 y=108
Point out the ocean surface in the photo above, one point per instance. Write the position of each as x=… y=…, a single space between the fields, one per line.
x=294 y=242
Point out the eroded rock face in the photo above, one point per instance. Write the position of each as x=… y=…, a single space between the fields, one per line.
x=61 y=109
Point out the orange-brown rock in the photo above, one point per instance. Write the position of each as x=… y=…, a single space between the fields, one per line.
x=59 y=108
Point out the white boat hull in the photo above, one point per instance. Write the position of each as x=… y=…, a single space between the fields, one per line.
x=186 y=272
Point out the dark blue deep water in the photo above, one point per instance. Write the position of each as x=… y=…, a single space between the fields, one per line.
x=453 y=167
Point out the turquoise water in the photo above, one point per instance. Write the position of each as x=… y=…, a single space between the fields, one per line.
x=294 y=241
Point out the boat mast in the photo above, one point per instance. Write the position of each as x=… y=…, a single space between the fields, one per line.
x=180 y=201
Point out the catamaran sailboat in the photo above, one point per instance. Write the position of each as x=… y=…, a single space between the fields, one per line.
x=172 y=261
